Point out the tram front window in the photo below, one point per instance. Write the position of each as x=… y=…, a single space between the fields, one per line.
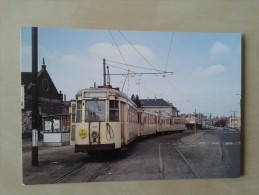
x=94 y=111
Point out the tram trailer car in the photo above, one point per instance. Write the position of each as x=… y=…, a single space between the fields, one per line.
x=178 y=124
x=149 y=123
x=106 y=119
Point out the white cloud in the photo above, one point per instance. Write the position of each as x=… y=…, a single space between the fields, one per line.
x=131 y=56
x=219 y=49
x=87 y=66
x=91 y=61
x=211 y=70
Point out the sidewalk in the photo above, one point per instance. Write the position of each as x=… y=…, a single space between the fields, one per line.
x=27 y=145
x=191 y=138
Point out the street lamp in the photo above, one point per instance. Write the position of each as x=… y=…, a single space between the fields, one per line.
x=240 y=103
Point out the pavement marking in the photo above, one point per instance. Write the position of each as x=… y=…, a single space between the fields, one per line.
x=229 y=143
x=218 y=143
x=228 y=132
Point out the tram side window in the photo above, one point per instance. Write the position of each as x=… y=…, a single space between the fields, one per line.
x=114 y=110
x=153 y=119
x=79 y=112
x=132 y=115
x=178 y=121
x=73 y=113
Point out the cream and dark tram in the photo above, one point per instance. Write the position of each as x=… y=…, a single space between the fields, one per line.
x=106 y=119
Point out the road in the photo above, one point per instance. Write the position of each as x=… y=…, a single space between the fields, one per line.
x=231 y=152
x=216 y=154
x=207 y=154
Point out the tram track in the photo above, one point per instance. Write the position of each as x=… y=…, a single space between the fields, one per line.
x=86 y=167
x=186 y=161
x=170 y=142
x=107 y=166
x=98 y=166
x=162 y=166
x=69 y=173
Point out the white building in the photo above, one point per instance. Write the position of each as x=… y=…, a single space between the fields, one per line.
x=159 y=106
x=234 y=122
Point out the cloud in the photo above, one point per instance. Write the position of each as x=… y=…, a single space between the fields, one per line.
x=90 y=62
x=87 y=66
x=219 y=49
x=211 y=70
x=126 y=51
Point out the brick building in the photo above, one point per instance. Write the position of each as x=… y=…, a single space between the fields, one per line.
x=50 y=100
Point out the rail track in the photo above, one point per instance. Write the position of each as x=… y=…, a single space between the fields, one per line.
x=94 y=167
x=177 y=153
x=86 y=166
x=169 y=142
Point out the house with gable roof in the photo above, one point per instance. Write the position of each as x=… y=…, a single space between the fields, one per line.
x=159 y=106
x=49 y=98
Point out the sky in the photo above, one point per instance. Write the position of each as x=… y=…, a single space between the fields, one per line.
x=194 y=71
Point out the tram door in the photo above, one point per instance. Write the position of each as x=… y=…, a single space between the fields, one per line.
x=122 y=116
x=94 y=132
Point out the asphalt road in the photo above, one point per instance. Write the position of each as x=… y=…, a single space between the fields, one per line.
x=207 y=154
x=231 y=152
x=216 y=154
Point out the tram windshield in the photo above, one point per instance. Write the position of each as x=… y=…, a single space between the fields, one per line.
x=94 y=111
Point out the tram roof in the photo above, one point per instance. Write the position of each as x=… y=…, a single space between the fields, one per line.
x=111 y=91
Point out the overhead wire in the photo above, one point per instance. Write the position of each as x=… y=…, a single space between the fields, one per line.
x=155 y=69
x=169 y=51
x=167 y=60
x=137 y=50
x=118 y=48
x=121 y=56
x=136 y=66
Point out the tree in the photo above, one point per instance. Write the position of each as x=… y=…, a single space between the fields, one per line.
x=133 y=97
x=136 y=100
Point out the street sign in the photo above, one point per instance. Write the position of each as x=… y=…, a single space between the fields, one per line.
x=34 y=142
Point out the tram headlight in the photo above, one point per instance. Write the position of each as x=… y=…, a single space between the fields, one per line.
x=94 y=135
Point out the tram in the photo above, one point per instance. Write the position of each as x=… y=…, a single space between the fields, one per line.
x=106 y=119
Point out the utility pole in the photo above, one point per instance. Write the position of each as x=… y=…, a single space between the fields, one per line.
x=104 y=73
x=35 y=109
x=234 y=119
x=195 y=121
